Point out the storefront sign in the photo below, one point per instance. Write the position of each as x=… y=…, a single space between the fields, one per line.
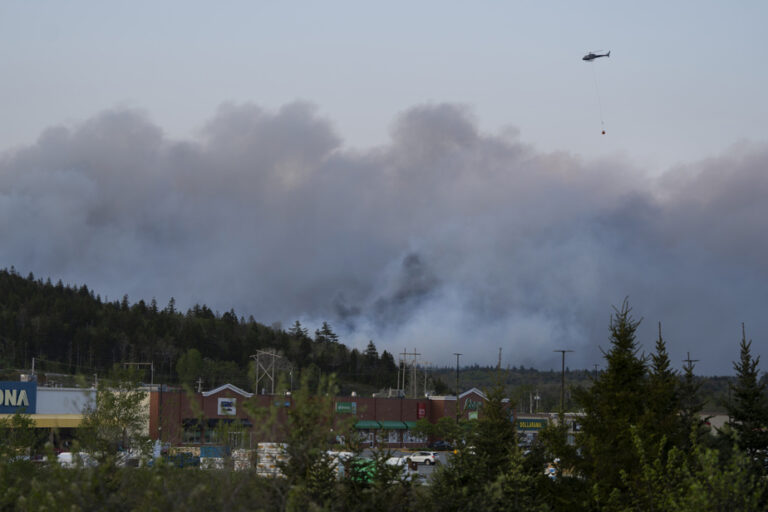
x=346 y=407
x=531 y=424
x=227 y=406
x=18 y=397
x=421 y=410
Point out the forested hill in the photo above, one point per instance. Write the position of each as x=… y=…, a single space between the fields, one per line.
x=70 y=330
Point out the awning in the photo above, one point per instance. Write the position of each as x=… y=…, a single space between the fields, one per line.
x=392 y=425
x=367 y=425
x=410 y=425
x=52 y=420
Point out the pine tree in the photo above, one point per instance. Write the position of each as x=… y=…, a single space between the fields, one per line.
x=749 y=409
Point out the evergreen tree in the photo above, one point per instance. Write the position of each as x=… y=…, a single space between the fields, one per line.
x=370 y=363
x=661 y=419
x=485 y=474
x=371 y=355
x=298 y=331
x=694 y=480
x=326 y=335
x=615 y=402
x=691 y=406
x=749 y=409
x=308 y=427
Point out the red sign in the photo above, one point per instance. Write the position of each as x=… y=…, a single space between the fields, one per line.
x=421 y=410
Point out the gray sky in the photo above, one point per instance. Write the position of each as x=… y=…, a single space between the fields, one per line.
x=428 y=176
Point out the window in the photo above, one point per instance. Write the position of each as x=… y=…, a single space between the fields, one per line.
x=410 y=437
x=192 y=431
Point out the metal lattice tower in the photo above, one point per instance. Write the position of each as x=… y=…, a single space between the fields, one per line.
x=406 y=364
x=265 y=368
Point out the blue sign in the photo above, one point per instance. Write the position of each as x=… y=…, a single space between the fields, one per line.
x=18 y=397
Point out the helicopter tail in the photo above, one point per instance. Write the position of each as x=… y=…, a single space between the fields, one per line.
x=608 y=54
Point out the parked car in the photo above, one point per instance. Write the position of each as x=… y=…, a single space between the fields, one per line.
x=440 y=445
x=72 y=460
x=429 y=458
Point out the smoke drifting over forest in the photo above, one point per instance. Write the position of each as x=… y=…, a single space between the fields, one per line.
x=446 y=239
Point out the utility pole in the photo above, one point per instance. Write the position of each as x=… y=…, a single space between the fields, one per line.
x=562 y=385
x=457 y=385
x=690 y=361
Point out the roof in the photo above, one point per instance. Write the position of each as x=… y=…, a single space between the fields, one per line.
x=475 y=391
x=229 y=387
x=462 y=395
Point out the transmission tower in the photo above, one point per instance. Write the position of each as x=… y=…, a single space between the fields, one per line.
x=265 y=368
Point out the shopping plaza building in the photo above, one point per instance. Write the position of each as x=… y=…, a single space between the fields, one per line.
x=178 y=417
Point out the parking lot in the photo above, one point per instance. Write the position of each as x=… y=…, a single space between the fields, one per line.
x=424 y=470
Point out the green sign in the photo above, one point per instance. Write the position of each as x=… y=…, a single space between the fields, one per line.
x=472 y=415
x=531 y=423
x=346 y=407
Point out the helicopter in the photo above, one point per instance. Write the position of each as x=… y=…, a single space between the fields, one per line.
x=592 y=56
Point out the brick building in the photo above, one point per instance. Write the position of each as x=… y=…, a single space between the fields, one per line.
x=179 y=417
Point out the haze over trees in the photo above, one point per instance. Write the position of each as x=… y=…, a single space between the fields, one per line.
x=71 y=330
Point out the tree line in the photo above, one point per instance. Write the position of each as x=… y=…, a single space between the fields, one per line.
x=71 y=330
